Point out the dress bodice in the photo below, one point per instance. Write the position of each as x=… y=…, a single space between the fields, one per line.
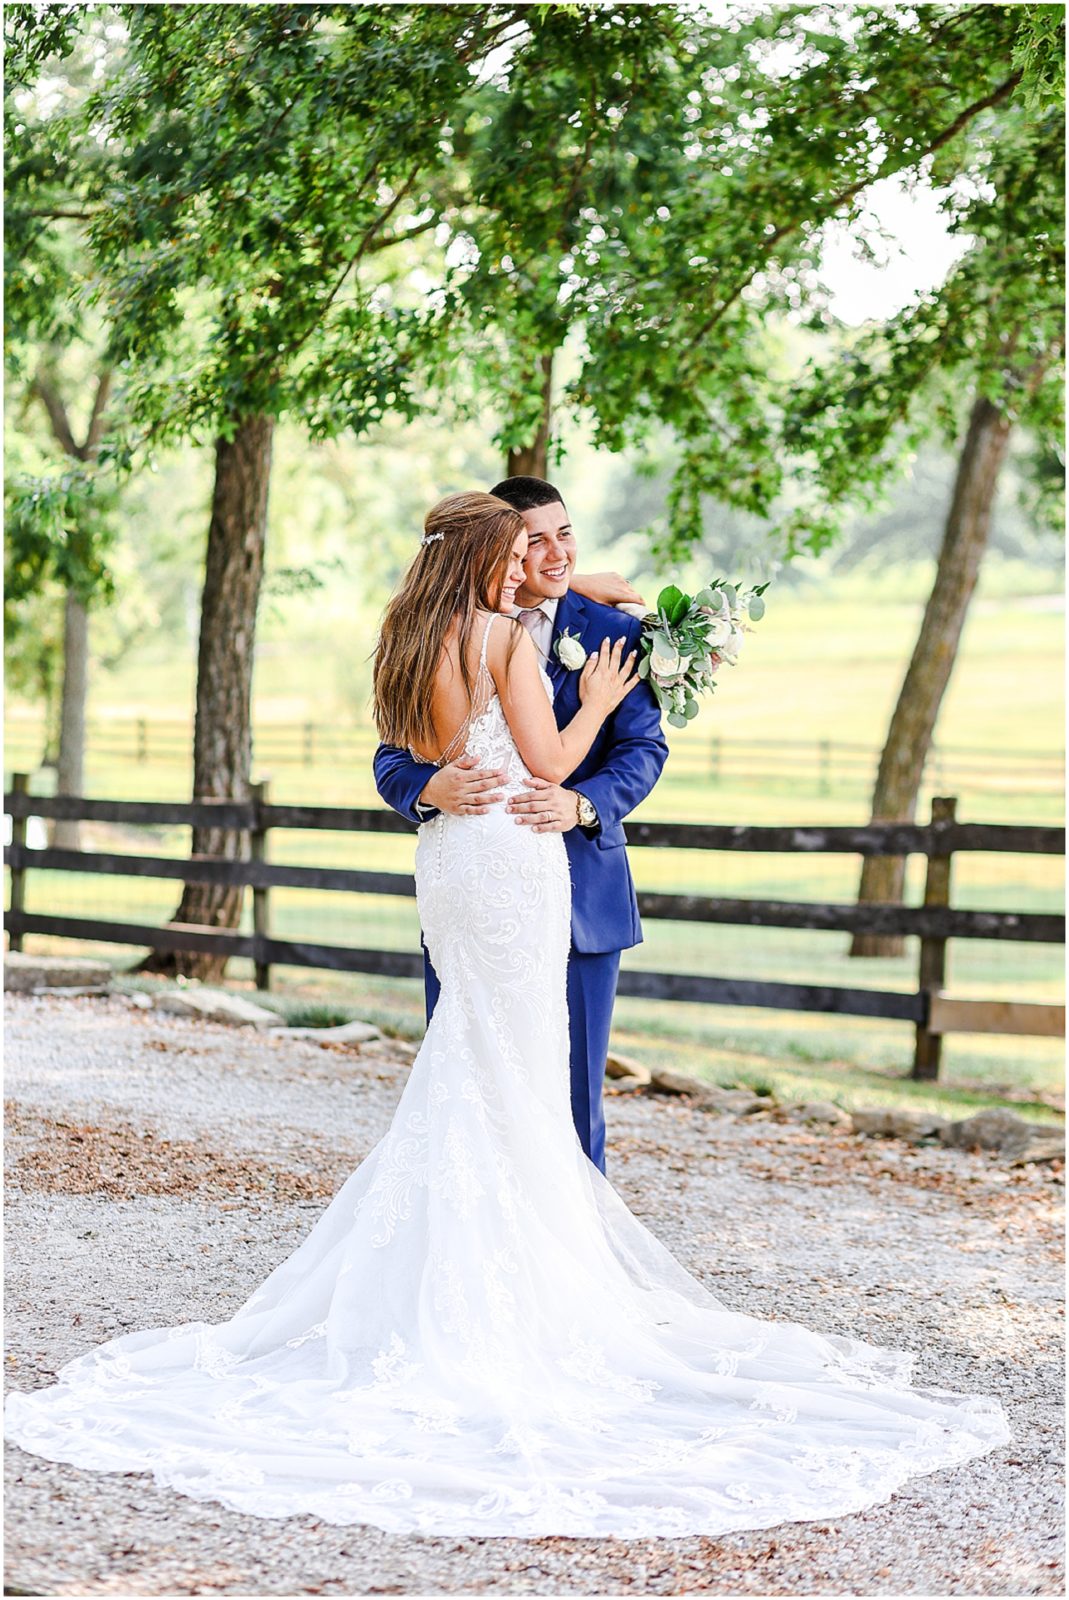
x=489 y=739
x=485 y=732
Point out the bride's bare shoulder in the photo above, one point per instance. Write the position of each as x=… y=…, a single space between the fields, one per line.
x=506 y=640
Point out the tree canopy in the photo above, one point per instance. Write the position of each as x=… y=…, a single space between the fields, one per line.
x=340 y=212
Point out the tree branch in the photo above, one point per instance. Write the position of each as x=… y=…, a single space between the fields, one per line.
x=399 y=238
x=75 y=216
x=846 y=195
x=96 y=421
x=48 y=394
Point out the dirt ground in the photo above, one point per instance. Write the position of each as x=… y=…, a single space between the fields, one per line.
x=158 y=1168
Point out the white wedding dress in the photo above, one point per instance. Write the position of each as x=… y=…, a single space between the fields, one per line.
x=477 y=1336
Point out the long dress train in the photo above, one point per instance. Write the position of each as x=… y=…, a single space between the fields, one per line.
x=477 y=1336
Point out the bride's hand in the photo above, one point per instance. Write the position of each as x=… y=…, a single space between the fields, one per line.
x=608 y=676
x=607 y=588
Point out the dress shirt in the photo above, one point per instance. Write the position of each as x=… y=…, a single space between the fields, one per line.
x=540 y=628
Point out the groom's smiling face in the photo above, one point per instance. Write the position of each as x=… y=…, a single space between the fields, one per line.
x=550 y=554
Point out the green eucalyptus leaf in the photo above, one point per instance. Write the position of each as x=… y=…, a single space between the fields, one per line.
x=672 y=602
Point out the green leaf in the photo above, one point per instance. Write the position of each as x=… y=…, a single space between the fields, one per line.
x=673 y=602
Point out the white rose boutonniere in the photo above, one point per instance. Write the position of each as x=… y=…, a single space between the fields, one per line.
x=570 y=652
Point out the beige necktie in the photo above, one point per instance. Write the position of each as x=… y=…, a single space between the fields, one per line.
x=534 y=619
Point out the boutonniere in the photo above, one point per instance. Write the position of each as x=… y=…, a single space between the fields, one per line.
x=570 y=652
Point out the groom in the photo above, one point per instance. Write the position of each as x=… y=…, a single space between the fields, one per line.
x=619 y=771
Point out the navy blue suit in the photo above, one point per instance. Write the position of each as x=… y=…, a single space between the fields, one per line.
x=620 y=769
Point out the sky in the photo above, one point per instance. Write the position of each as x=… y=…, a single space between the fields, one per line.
x=918 y=257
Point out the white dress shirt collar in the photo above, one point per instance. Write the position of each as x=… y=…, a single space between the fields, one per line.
x=548 y=607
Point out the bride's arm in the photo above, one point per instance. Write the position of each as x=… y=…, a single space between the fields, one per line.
x=548 y=751
x=607 y=588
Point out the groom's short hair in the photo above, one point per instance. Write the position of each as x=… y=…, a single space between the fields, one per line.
x=523 y=493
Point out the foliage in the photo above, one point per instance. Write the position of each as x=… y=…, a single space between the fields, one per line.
x=265 y=155
x=60 y=527
x=342 y=213
x=919 y=92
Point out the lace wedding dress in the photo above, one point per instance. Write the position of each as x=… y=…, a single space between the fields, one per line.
x=477 y=1336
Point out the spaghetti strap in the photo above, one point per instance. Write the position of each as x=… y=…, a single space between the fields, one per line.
x=481 y=695
x=486 y=636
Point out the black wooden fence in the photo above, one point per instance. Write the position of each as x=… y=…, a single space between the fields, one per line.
x=823 y=766
x=932 y=1012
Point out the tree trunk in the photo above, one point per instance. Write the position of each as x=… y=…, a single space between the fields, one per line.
x=222 y=736
x=70 y=749
x=913 y=723
x=532 y=459
x=70 y=762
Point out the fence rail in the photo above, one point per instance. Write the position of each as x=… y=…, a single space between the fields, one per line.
x=932 y=1012
x=823 y=763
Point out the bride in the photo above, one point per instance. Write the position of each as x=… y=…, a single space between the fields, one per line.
x=477 y=1336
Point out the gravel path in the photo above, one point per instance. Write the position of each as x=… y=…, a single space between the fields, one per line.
x=159 y=1168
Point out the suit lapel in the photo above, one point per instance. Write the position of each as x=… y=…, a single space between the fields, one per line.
x=571 y=615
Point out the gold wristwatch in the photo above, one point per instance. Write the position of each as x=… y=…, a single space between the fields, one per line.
x=586 y=816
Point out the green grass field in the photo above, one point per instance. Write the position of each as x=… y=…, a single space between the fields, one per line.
x=809 y=673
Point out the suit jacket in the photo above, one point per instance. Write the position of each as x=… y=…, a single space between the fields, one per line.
x=619 y=770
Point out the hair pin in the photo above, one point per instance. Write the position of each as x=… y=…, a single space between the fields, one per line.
x=429 y=538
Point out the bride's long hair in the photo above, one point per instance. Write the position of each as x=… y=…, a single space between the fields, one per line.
x=458 y=571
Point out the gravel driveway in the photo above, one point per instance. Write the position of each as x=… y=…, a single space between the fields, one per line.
x=159 y=1168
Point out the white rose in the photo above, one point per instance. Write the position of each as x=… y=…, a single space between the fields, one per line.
x=570 y=652
x=732 y=645
x=718 y=632
x=665 y=666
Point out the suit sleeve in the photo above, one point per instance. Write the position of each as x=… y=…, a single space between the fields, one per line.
x=635 y=754
x=400 y=780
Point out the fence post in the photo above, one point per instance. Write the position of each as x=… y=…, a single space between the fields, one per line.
x=309 y=743
x=825 y=766
x=714 y=758
x=260 y=906
x=20 y=784
x=142 y=739
x=931 y=976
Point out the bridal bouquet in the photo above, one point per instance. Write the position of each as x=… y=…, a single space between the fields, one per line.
x=685 y=641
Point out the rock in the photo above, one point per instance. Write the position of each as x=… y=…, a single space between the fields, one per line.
x=70 y=991
x=23 y=974
x=622 y=1085
x=891 y=1122
x=994 y=1129
x=819 y=1111
x=1042 y=1148
x=214 y=1005
x=740 y=1101
x=664 y=1081
x=760 y=1102
x=710 y=1096
x=344 y=1033
x=397 y=1051
x=618 y=1066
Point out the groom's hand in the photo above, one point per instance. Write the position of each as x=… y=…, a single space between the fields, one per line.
x=544 y=807
x=463 y=788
